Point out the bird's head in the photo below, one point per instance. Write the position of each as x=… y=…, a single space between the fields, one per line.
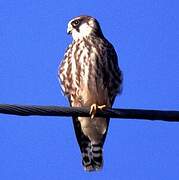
x=84 y=26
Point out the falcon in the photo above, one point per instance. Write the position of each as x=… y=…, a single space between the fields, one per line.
x=90 y=77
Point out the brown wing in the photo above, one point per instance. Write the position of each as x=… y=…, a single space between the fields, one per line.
x=65 y=77
x=112 y=77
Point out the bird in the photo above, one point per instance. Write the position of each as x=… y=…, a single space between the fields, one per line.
x=90 y=76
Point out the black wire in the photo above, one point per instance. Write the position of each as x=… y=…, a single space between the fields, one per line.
x=30 y=110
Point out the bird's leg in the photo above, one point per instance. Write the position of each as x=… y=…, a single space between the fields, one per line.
x=94 y=108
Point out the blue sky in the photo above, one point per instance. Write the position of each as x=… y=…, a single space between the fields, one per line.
x=33 y=39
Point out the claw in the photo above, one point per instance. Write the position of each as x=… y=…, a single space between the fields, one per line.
x=94 y=108
x=101 y=107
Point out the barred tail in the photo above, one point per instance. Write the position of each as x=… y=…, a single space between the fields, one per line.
x=86 y=157
x=97 y=156
x=92 y=158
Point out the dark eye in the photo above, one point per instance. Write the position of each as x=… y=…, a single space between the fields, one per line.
x=75 y=22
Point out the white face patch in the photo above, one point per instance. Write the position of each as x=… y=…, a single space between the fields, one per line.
x=84 y=30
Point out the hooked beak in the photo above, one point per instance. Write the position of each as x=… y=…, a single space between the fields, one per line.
x=69 y=29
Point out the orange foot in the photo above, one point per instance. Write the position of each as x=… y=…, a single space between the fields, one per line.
x=94 y=108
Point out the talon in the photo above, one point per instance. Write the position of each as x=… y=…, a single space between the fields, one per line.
x=101 y=107
x=94 y=108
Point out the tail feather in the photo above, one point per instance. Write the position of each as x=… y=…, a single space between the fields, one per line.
x=97 y=156
x=86 y=157
x=92 y=157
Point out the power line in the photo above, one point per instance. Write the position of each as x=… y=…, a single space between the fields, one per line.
x=34 y=110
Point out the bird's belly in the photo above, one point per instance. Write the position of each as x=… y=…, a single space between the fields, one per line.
x=91 y=94
x=93 y=128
